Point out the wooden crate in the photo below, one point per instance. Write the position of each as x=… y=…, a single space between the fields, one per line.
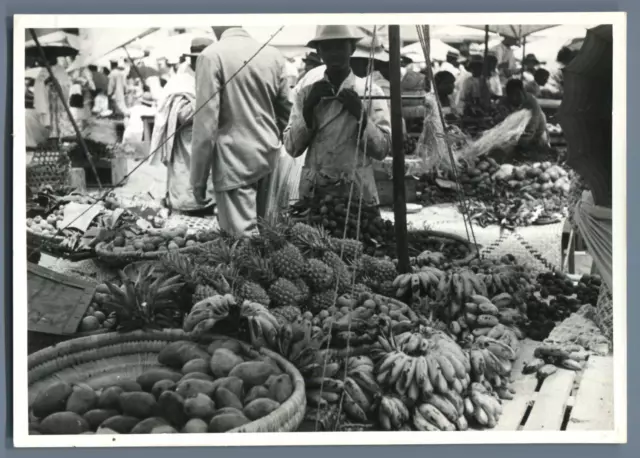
x=111 y=172
x=385 y=190
x=565 y=401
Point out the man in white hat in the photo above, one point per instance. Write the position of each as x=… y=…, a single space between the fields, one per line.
x=329 y=120
x=171 y=138
x=242 y=100
x=451 y=63
x=507 y=65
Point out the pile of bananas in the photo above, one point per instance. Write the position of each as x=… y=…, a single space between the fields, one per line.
x=492 y=362
x=430 y=259
x=358 y=390
x=439 y=285
x=441 y=414
x=548 y=358
x=393 y=414
x=504 y=275
x=205 y=314
x=300 y=343
x=483 y=316
x=483 y=406
x=420 y=364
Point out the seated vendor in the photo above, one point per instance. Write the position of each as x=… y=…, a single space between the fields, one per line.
x=516 y=98
x=325 y=121
x=445 y=85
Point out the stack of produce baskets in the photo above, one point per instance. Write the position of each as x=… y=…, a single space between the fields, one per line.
x=49 y=165
x=134 y=366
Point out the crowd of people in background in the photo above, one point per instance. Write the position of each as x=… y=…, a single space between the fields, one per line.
x=220 y=148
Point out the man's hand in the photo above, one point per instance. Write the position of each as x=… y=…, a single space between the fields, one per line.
x=318 y=90
x=351 y=101
x=199 y=194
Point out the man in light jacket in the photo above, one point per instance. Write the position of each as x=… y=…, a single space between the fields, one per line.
x=242 y=108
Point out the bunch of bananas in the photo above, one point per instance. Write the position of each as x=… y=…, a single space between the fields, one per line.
x=393 y=414
x=492 y=363
x=300 y=342
x=441 y=413
x=206 y=313
x=322 y=383
x=424 y=281
x=264 y=328
x=570 y=357
x=430 y=259
x=482 y=406
x=507 y=279
x=419 y=365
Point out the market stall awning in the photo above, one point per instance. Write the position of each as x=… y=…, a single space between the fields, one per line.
x=586 y=111
x=100 y=42
x=456 y=34
x=438 y=50
x=516 y=30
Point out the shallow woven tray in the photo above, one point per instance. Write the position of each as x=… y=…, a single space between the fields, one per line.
x=473 y=249
x=123 y=259
x=51 y=246
x=95 y=360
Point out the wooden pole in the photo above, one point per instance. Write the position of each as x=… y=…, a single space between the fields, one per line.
x=397 y=139
x=56 y=84
x=486 y=93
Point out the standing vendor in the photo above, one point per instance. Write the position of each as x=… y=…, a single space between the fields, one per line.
x=503 y=51
x=331 y=129
x=171 y=138
x=535 y=134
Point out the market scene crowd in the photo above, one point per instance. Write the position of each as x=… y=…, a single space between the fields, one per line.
x=272 y=227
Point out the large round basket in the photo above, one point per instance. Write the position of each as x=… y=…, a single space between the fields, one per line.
x=424 y=239
x=124 y=258
x=95 y=360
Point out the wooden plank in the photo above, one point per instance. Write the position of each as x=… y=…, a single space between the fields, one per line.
x=548 y=410
x=525 y=354
x=593 y=407
x=513 y=411
x=56 y=303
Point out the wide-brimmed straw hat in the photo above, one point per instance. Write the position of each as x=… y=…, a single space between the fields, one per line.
x=312 y=58
x=370 y=47
x=334 y=32
x=531 y=58
x=453 y=53
x=198 y=44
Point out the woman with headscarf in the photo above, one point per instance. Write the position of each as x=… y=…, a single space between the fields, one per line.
x=171 y=139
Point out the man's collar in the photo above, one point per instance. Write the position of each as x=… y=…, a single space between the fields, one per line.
x=234 y=32
x=348 y=82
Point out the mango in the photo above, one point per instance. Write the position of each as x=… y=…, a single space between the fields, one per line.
x=147 y=425
x=195 y=426
x=199 y=406
x=110 y=398
x=225 y=398
x=232 y=345
x=129 y=385
x=96 y=417
x=227 y=422
x=256 y=392
x=223 y=361
x=196 y=365
x=233 y=384
x=227 y=410
x=82 y=400
x=177 y=354
x=103 y=430
x=64 y=423
x=252 y=373
x=281 y=388
x=171 y=406
x=138 y=404
x=121 y=424
x=189 y=388
x=149 y=378
x=260 y=408
x=198 y=376
x=52 y=399
x=164 y=429
x=162 y=386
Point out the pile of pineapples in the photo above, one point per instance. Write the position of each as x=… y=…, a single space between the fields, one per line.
x=290 y=268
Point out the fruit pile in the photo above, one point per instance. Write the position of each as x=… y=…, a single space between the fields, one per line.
x=504 y=194
x=200 y=390
x=152 y=240
x=410 y=143
x=548 y=358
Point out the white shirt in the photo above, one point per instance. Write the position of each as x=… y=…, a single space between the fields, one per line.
x=449 y=67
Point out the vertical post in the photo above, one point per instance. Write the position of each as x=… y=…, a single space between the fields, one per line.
x=524 y=46
x=486 y=93
x=399 y=198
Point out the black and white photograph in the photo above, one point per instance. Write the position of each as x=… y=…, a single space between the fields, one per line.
x=382 y=233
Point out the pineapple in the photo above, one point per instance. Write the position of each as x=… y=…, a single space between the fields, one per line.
x=305 y=292
x=319 y=276
x=322 y=301
x=343 y=275
x=360 y=288
x=384 y=271
x=287 y=314
x=284 y=293
x=203 y=292
x=351 y=249
x=304 y=231
x=288 y=262
x=386 y=289
x=252 y=292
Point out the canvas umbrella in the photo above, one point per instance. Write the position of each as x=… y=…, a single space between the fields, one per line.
x=586 y=112
x=55 y=43
x=517 y=31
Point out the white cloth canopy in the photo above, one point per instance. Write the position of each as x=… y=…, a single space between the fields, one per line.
x=516 y=31
x=438 y=50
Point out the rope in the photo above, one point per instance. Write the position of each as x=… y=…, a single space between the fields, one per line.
x=368 y=84
x=224 y=84
x=535 y=253
x=423 y=35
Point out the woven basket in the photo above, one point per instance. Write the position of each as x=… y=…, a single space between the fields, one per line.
x=450 y=237
x=95 y=360
x=604 y=312
x=52 y=246
x=122 y=259
x=48 y=167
